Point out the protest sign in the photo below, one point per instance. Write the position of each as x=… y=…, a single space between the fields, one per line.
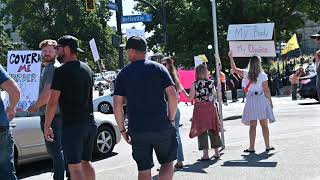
x=259 y=31
x=252 y=48
x=94 y=50
x=25 y=67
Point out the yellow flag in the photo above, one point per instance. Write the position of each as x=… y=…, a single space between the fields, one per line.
x=292 y=44
x=203 y=58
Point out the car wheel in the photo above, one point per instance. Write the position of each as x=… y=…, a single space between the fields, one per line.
x=105 y=108
x=105 y=141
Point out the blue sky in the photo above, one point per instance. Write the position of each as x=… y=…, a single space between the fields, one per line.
x=127 y=10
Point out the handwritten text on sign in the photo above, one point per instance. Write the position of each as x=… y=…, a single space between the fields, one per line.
x=252 y=48
x=261 y=31
x=25 y=67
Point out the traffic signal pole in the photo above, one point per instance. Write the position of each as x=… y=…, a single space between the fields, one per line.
x=119 y=15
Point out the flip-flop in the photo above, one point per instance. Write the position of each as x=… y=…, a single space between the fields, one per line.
x=202 y=159
x=216 y=157
x=249 y=151
x=270 y=149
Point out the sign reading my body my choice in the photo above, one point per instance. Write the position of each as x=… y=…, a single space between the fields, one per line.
x=259 y=31
x=25 y=67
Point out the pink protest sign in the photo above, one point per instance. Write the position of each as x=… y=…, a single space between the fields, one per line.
x=186 y=77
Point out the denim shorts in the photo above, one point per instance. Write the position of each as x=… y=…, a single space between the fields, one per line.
x=78 y=141
x=164 y=143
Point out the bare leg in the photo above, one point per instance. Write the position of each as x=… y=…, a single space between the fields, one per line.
x=252 y=134
x=205 y=154
x=76 y=171
x=145 y=175
x=166 y=171
x=88 y=170
x=265 y=132
x=216 y=152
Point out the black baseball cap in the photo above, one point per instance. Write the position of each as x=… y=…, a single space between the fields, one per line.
x=71 y=41
x=314 y=36
x=137 y=43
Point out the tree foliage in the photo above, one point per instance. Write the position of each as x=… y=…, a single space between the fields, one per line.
x=5 y=45
x=36 y=20
x=190 y=22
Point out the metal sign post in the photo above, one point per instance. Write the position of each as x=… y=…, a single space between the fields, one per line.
x=215 y=36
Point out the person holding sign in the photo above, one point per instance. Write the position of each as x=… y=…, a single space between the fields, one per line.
x=258 y=105
x=71 y=88
x=7 y=169
x=50 y=63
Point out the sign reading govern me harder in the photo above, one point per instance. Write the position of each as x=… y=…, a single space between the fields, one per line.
x=247 y=40
x=25 y=67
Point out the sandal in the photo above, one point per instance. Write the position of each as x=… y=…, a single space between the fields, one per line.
x=203 y=159
x=270 y=149
x=178 y=166
x=216 y=157
x=249 y=151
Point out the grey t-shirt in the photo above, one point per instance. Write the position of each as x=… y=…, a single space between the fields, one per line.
x=46 y=78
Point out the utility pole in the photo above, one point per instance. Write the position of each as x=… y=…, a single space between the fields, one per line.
x=119 y=15
x=164 y=25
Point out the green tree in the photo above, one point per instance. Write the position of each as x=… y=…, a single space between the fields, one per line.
x=5 y=45
x=36 y=20
x=190 y=22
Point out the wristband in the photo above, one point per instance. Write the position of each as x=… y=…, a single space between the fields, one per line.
x=123 y=131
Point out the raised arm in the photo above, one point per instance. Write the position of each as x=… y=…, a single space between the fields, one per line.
x=233 y=65
x=192 y=92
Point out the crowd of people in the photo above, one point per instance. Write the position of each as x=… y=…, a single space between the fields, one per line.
x=151 y=92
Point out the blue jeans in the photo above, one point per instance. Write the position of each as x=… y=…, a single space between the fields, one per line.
x=55 y=148
x=7 y=169
x=176 y=125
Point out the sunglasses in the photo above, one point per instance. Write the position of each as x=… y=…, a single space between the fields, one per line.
x=165 y=64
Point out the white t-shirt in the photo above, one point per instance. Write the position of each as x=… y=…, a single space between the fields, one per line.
x=256 y=87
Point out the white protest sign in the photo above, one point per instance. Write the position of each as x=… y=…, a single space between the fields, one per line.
x=134 y=32
x=94 y=50
x=252 y=48
x=197 y=61
x=260 y=31
x=25 y=68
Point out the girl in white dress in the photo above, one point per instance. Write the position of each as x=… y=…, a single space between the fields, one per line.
x=258 y=105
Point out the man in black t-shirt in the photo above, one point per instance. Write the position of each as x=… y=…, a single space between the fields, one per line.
x=150 y=119
x=72 y=87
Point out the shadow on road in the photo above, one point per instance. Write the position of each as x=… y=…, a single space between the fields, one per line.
x=252 y=160
x=33 y=169
x=232 y=118
x=311 y=103
x=45 y=166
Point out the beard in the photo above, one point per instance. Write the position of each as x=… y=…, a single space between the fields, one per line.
x=48 y=59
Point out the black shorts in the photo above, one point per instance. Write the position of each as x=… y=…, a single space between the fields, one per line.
x=164 y=144
x=78 y=141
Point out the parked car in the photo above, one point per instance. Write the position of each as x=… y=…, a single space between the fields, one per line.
x=308 y=87
x=100 y=82
x=104 y=103
x=29 y=142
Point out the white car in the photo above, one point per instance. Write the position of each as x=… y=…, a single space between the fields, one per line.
x=101 y=81
x=29 y=145
x=104 y=103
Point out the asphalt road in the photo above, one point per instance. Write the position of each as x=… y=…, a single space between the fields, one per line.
x=295 y=135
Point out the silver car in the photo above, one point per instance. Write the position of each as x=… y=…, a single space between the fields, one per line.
x=29 y=141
